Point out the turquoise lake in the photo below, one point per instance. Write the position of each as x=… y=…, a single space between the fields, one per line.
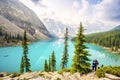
x=10 y=57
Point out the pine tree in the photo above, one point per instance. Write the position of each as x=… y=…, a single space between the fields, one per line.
x=49 y=65
x=25 y=62
x=22 y=65
x=53 y=62
x=45 y=66
x=65 y=53
x=80 y=60
x=1 y=33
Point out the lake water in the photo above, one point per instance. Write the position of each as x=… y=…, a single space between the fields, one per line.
x=10 y=57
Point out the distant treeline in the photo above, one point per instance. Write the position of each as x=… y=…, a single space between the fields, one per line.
x=5 y=36
x=109 y=39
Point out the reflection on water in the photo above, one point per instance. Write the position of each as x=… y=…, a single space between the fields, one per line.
x=104 y=57
x=39 y=51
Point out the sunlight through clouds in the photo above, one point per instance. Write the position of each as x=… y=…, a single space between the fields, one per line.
x=71 y=12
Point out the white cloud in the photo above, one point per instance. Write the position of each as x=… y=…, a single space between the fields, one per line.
x=75 y=4
x=97 y=17
x=108 y=9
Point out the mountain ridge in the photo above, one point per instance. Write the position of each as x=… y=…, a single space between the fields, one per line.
x=23 y=18
x=57 y=28
x=116 y=28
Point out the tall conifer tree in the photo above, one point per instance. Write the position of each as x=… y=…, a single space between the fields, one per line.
x=25 y=61
x=65 y=53
x=22 y=65
x=49 y=65
x=53 y=62
x=45 y=66
x=80 y=60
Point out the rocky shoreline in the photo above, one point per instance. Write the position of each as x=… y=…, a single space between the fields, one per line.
x=109 y=49
x=56 y=76
x=5 y=44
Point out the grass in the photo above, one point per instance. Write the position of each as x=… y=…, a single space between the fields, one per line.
x=41 y=74
x=14 y=75
x=114 y=70
x=64 y=70
x=25 y=79
x=58 y=79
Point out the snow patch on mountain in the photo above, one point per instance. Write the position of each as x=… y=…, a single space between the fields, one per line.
x=57 y=28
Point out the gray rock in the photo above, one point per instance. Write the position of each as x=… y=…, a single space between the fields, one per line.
x=15 y=14
x=113 y=77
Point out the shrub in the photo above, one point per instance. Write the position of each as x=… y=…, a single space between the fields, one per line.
x=25 y=79
x=115 y=70
x=64 y=70
x=41 y=74
x=58 y=79
x=14 y=75
x=100 y=73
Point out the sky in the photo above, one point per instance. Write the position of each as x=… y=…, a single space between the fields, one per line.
x=95 y=15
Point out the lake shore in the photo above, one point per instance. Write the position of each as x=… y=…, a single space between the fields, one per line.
x=41 y=50
x=107 y=48
x=7 y=44
x=56 y=76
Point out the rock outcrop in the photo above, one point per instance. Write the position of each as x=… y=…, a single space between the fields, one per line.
x=56 y=76
x=15 y=17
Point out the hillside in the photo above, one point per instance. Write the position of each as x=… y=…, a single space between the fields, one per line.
x=16 y=17
x=116 y=28
x=109 y=39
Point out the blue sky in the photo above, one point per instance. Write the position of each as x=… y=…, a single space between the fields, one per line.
x=96 y=15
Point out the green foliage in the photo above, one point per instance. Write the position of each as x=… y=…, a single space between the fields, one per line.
x=25 y=61
x=22 y=65
x=115 y=70
x=14 y=75
x=8 y=37
x=73 y=39
x=100 y=73
x=58 y=79
x=49 y=65
x=109 y=39
x=65 y=53
x=64 y=70
x=53 y=62
x=80 y=60
x=45 y=66
x=25 y=79
x=41 y=74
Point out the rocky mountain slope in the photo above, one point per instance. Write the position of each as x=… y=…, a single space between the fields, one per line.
x=16 y=17
x=57 y=28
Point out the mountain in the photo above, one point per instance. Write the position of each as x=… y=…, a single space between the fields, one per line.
x=57 y=28
x=15 y=17
x=116 y=28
